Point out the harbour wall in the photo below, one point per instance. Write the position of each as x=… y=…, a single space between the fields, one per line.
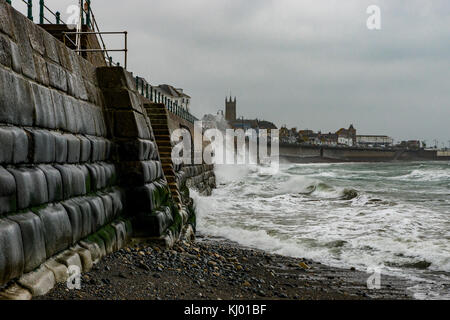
x=80 y=168
x=307 y=153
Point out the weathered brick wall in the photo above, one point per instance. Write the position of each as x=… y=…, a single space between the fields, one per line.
x=58 y=180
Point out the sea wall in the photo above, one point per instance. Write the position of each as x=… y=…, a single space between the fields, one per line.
x=80 y=170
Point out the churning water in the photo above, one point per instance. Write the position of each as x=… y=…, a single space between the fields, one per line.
x=393 y=215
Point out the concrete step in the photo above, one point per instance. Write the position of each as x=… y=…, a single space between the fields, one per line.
x=158 y=122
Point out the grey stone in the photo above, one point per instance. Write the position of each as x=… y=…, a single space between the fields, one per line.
x=16 y=104
x=32 y=185
x=16 y=58
x=41 y=70
x=76 y=220
x=70 y=258
x=22 y=27
x=59 y=110
x=43 y=146
x=156 y=223
x=121 y=234
x=57 y=76
x=86 y=149
x=32 y=238
x=39 y=282
x=117 y=197
x=11 y=248
x=71 y=115
x=57 y=228
x=14 y=142
x=73 y=148
x=8 y=199
x=60 y=147
x=98 y=176
x=54 y=183
x=108 y=205
x=5 y=51
x=45 y=112
x=98 y=212
x=59 y=270
x=50 y=47
x=5 y=18
x=88 y=223
x=15 y=292
x=74 y=180
x=85 y=257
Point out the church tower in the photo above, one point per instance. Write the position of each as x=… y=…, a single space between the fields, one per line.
x=230 y=109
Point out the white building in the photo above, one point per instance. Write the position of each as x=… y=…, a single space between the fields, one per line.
x=167 y=94
x=345 y=141
x=374 y=140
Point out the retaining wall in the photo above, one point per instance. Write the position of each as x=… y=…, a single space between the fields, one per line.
x=78 y=160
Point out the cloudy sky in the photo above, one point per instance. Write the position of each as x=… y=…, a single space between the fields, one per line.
x=305 y=63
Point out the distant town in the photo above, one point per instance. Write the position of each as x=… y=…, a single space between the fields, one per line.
x=344 y=137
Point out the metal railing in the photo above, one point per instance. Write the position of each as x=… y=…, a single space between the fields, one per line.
x=87 y=18
x=147 y=91
x=108 y=59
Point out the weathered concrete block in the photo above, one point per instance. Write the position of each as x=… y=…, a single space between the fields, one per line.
x=32 y=185
x=88 y=118
x=35 y=36
x=63 y=54
x=88 y=224
x=70 y=258
x=45 y=112
x=117 y=196
x=73 y=148
x=96 y=245
x=122 y=98
x=78 y=76
x=16 y=58
x=114 y=77
x=72 y=119
x=50 y=47
x=98 y=176
x=41 y=70
x=5 y=19
x=74 y=180
x=60 y=147
x=54 y=183
x=108 y=235
x=98 y=148
x=11 y=248
x=57 y=76
x=85 y=148
x=43 y=146
x=22 y=27
x=121 y=234
x=76 y=220
x=15 y=292
x=16 y=104
x=156 y=223
x=39 y=282
x=33 y=240
x=14 y=145
x=59 y=270
x=57 y=228
x=108 y=205
x=98 y=212
x=59 y=110
x=8 y=198
x=129 y=124
x=5 y=51
x=136 y=149
x=85 y=257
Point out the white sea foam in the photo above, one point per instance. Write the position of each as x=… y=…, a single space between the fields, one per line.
x=298 y=213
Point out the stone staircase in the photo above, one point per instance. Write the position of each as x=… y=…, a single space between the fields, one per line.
x=157 y=113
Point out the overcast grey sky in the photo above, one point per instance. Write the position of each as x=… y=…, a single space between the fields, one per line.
x=306 y=63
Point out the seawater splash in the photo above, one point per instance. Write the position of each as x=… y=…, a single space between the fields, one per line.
x=344 y=215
